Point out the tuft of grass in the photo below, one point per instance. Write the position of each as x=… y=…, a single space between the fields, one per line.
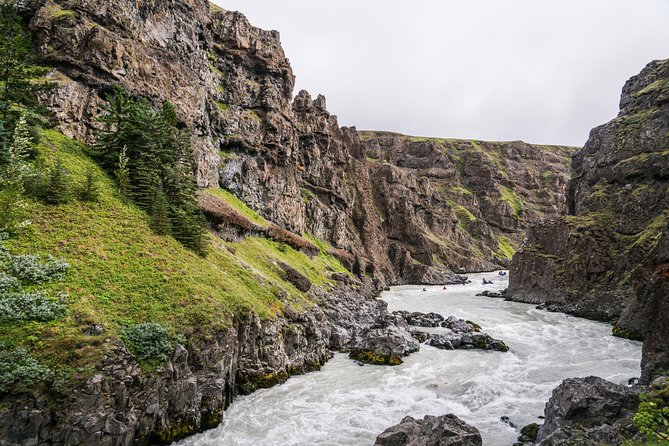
x=505 y=248
x=513 y=200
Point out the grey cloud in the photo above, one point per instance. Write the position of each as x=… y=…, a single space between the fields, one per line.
x=541 y=71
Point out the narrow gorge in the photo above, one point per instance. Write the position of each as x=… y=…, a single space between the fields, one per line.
x=120 y=327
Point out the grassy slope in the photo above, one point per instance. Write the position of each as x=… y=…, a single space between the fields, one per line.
x=122 y=273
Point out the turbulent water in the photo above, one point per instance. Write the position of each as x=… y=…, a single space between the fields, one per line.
x=349 y=404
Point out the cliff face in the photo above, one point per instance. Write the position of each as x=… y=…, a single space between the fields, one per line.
x=607 y=259
x=463 y=203
x=405 y=210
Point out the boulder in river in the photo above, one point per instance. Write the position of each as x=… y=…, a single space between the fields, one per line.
x=419 y=319
x=589 y=411
x=446 y=430
x=384 y=346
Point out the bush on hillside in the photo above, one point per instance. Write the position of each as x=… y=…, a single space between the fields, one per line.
x=19 y=371
x=148 y=341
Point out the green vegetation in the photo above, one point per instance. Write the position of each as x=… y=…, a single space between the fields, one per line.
x=56 y=12
x=307 y=195
x=21 y=77
x=463 y=213
x=149 y=341
x=123 y=274
x=460 y=190
x=221 y=106
x=215 y=9
x=655 y=86
x=652 y=416
x=238 y=205
x=153 y=163
x=505 y=248
x=513 y=200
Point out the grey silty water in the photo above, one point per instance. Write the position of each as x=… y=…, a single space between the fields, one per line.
x=349 y=404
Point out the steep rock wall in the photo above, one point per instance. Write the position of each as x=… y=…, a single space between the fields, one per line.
x=607 y=259
x=288 y=159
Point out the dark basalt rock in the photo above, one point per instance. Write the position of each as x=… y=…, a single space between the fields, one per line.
x=446 y=430
x=384 y=346
x=480 y=341
x=419 y=319
x=588 y=411
x=608 y=258
x=491 y=294
x=295 y=277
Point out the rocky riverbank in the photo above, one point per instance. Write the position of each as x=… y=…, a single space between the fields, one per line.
x=608 y=258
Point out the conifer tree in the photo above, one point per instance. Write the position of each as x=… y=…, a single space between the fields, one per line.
x=154 y=165
x=160 y=214
x=19 y=69
x=4 y=145
x=90 y=190
x=57 y=190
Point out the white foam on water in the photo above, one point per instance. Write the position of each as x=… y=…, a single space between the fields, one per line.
x=346 y=404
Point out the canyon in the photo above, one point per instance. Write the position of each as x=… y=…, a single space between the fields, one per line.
x=323 y=218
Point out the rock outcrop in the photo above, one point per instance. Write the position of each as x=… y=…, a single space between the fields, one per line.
x=446 y=430
x=122 y=405
x=608 y=259
x=460 y=334
x=588 y=411
x=407 y=210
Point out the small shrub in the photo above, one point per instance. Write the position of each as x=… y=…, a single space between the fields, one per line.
x=8 y=283
x=148 y=341
x=57 y=188
x=20 y=371
x=652 y=419
x=31 y=306
x=90 y=191
x=31 y=269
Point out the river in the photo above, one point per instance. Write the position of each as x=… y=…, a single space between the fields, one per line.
x=348 y=404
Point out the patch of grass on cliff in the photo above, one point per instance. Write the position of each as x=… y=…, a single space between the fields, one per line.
x=513 y=200
x=122 y=273
x=505 y=248
x=261 y=257
x=239 y=206
x=463 y=213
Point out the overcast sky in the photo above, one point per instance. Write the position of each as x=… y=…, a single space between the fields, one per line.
x=537 y=70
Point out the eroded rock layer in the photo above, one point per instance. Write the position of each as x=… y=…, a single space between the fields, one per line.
x=406 y=209
x=608 y=259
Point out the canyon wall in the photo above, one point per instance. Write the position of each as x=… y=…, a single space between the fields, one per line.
x=407 y=210
x=608 y=258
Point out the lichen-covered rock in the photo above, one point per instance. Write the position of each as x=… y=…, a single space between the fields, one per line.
x=608 y=258
x=588 y=411
x=445 y=430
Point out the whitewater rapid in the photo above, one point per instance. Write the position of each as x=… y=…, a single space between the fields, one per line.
x=348 y=404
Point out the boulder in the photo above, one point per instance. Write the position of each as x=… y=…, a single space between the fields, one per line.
x=588 y=411
x=446 y=430
x=419 y=319
x=384 y=346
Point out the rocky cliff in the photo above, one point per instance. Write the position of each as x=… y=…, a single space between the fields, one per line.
x=608 y=259
x=406 y=209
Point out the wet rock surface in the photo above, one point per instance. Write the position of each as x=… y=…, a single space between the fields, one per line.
x=608 y=259
x=445 y=430
x=461 y=334
x=589 y=411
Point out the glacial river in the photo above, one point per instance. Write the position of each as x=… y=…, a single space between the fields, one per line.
x=348 y=404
